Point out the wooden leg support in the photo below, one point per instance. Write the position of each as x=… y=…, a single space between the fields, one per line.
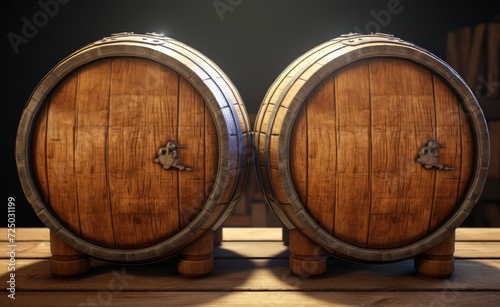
x=437 y=262
x=65 y=260
x=197 y=259
x=306 y=257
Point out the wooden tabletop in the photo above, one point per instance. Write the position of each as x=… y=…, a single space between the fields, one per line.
x=251 y=268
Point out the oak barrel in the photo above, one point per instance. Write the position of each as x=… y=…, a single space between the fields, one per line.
x=372 y=149
x=133 y=149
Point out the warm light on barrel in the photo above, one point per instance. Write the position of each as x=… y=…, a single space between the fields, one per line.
x=371 y=149
x=133 y=149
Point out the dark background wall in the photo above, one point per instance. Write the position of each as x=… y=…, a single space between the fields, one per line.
x=251 y=40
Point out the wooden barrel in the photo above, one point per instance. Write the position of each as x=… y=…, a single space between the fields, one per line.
x=132 y=148
x=372 y=149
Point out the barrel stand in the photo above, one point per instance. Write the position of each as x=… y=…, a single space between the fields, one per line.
x=438 y=261
x=196 y=259
x=309 y=259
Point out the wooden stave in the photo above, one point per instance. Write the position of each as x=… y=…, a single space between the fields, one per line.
x=336 y=54
x=223 y=101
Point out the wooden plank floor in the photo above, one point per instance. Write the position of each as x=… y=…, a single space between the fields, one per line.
x=251 y=268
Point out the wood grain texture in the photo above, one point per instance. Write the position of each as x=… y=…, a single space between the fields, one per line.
x=197 y=259
x=39 y=155
x=60 y=154
x=267 y=249
x=306 y=257
x=103 y=129
x=438 y=261
x=94 y=127
x=384 y=99
x=402 y=121
x=143 y=117
x=363 y=126
x=91 y=161
x=299 y=160
x=352 y=210
x=471 y=243
x=65 y=260
x=322 y=155
x=192 y=133
x=262 y=275
x=454 y=132
x=250 y=272
x=262 y=298
x=261 y=234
